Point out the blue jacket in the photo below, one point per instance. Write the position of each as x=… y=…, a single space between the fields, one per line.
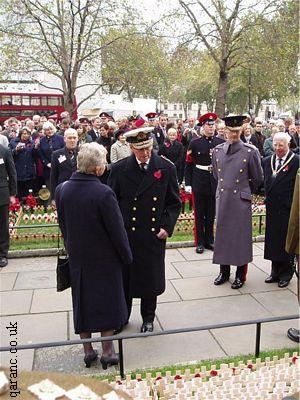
x=47 y=147
x=24 y=159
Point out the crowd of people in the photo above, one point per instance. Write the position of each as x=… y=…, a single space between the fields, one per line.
x=116 y=188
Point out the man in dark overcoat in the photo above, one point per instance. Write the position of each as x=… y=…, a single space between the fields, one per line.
x=280 y=172
x=64 y=161
x=148 y=194
x=160 y=131
x=8 y=190
x=237 y=167
x=200 y=181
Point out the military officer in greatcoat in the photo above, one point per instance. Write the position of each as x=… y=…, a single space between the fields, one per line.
x=237 y=168
x=280 y=172
x=200 y=181
x=147 y=191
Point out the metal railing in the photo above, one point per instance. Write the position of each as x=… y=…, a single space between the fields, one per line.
x=120 y=338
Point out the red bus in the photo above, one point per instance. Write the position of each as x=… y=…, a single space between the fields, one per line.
x=25 y=105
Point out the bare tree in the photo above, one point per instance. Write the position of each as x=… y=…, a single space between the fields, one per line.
x=62 y=38
x=222 y=29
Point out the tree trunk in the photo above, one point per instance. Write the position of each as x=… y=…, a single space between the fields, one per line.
x=257 y=106
x=222 y=93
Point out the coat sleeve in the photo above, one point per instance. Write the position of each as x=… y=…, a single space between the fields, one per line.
x=54 y=173
x=255 y=171
x=188 y=169
x=113 y=181
x=172 y=204
x=113 y=154
x=11 y=173
x=114 y=225
x=60 y=213
x=214 y=166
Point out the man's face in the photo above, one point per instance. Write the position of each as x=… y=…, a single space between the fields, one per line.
x=258 y=127
x=96 y=123
x=71 y=141
x=14 y=126
x=163 y=121
x=179 y=123
x=281 y=127
x=208 y=129
x=298 y=129
x=281 y=147
x=191 y=122
x=143 y=155
x=104 y=120
x=292 y=129
x=233 y=136
x=247 y=131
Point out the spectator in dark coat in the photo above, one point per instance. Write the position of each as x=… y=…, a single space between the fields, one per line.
x=48 y=144
x=280 y=172
x=64 y=161
x=173 y=150
x=106 y=140
x=98 y=248
x=258 y=138
x=24 y=153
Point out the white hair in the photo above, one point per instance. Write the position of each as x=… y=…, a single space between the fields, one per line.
x=49 y=125
x=111 y=125
x=70 y=131
x=284 y=136
x=90 y=156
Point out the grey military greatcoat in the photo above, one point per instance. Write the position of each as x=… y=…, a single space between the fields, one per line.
x=237 y=168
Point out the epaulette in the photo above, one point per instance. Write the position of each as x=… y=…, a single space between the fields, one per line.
x=219 y=145
x=250 y=145
x=165 y=158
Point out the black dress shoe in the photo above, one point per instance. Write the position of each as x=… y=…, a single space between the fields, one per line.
x=90 y=358
x=109 y=361
x=271 y=279
x=294 y=334
x=147 y=327
x=3 y=262
x=209 y=246
x=221 y=278
x=283 y=283
x=200 y=249
x=237 y=283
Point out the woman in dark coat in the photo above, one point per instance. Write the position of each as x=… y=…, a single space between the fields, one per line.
x=173 y=150
x=98 y=248
x=106 y=140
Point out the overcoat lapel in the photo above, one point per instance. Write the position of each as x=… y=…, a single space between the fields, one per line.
x=134 y=174
x=282 y=173
x=149 y=178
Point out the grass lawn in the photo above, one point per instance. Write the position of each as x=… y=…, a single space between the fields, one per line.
x=175 y=368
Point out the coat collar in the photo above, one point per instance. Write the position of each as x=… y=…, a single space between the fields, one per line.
x=234 y=147
x=282 y=173
x=79 y=176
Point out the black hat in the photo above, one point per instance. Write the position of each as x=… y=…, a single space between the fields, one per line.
x=234 y=122
x=119 y=132
x=83 y=120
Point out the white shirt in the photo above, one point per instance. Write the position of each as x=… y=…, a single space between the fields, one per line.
x=282 y=162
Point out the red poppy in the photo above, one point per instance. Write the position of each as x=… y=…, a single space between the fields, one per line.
x=157 y=174
x=167 y=144
x=213 y=372
x=286 y=168
x=294 y=359
x=250 y=366
x=233 y=370
x=158 y=378
x=176 y=377
x=198 y=375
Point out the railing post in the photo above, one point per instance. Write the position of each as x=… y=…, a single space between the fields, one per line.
x=260 y=223
x=257 y=341
x=121 y=358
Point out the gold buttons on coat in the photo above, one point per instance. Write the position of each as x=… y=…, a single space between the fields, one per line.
x=234 y=191
x=222 y=190
x=153 y=219
x=221 y=179
x=241 y=170
x=244 y=160
x=155 y=198
x=217 y=159
x=153 y=229
x=153 y=209
x=249 y=151
x=133 y=219
x=135 y=199
x=134 y=208
x=133 y=228
x=219 y=169
x=237 y=181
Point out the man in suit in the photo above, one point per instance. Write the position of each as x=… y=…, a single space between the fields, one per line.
x=147 y=191
x=64 y=161
x=280 y=172
x=160 y=132
x=95 y=131
x=258 y=138
x=8 y=190
x=199 y=180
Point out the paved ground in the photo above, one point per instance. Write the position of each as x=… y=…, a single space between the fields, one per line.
x=28 y=297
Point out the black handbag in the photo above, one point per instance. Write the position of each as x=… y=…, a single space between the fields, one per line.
x=63 y=280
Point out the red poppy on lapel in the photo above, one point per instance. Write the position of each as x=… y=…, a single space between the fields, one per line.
x=286 y=168
x=167 y=144
x=157 y=174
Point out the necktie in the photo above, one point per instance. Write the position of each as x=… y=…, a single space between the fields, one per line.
x=279 y=164
x=72 y=158
x=143 y=167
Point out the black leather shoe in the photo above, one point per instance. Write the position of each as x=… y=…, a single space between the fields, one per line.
x=283 y=283
x=147 y=327
x=221 y=278
x=109 y=361
x=3 y=262
x=200 y=249
x=294 y=334
x=271 y=279
x=90 y=358
x=237 y=283
x=209 y=246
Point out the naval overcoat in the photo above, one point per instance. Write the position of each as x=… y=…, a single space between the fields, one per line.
x=234 y=166
x=98 y=248
x=279 y=196
x=148 y=201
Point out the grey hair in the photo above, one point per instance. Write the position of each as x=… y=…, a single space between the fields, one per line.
x=111 y=125
x=70 y=131
x=49 y=125
x=282 y=136
x=90 y=156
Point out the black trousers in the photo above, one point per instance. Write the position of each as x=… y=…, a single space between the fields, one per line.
x=148 y=304
x=4 y=230
x=205 y=209
x=283 y=270
x=241 y=271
